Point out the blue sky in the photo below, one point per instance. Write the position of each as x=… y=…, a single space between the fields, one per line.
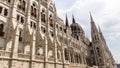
x=106 y=14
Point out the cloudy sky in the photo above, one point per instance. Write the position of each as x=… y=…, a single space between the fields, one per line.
x=106 y=14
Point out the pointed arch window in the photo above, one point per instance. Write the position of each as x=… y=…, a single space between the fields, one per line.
x=33 y=24
x=43 y=16
x=20 y=36
x=43 y=29
x=51 y=20
x=21 y=5
x=66 y=54
x=1 y=30
x=5 y=12
x=34 y=10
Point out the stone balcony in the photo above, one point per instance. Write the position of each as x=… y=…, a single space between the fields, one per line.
x=37 y=57
x=23 y=56
x=51 y=59
x=5 y=54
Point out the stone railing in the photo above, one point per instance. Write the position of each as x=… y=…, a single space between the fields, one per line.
x=66 y=61
x=39 y=57
x=59 y=60
x=50 y=59
x=26 y=56
x=4 y=53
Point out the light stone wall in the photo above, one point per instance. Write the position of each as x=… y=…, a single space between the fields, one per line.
x=4 y=63
x=32 y=39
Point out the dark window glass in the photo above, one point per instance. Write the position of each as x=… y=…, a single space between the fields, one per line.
x=18 y=17
x=1 y=30
x=5 y=12
x=20 y=36
x=8 y=1
x=1 y=9
x=31 y=24
x=35 y=25
x=22 y=20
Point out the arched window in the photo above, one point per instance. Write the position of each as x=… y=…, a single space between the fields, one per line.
x=22 y=20
x=98 y=50
x=20 y=36
x=5 y=12
x=43 y=29
x=43 y=16
x=51 y=20
x=34 y=10
x=1 y=30
x=66 y=54
x=33 y=24
x=21 y=5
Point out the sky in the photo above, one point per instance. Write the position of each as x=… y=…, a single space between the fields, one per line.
x=106 y=14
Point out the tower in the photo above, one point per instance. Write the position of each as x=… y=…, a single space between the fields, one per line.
x=96 y=43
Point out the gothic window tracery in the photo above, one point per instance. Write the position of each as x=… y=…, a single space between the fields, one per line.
x=21 y=5
x=20 y=18
x=43 y=16
x=34 y=10
x=51 y=21
x=33 y=24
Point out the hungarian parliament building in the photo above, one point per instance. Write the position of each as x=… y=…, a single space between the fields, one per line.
x=33 y=36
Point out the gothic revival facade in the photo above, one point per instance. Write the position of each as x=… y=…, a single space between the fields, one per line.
x=33 y=36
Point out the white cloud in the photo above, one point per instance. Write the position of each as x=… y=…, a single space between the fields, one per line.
x=106 y=13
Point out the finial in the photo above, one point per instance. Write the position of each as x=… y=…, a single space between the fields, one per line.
x=91 y=18
x=73 y=19
x=66 y=21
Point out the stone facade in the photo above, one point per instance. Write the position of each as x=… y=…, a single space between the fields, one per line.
x=33 y=36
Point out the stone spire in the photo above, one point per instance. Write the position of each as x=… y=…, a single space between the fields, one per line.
x=93 y=26
x=94 y=31
x=73 y=20
x=66 y=21
x=101 y=35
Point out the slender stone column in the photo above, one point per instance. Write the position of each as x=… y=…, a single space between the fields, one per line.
x=45 y=53
x=47 y=35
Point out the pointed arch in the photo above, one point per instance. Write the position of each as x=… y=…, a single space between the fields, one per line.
x=2 y=26
x=21 y=5
x=43 y=16
x=34 y=9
